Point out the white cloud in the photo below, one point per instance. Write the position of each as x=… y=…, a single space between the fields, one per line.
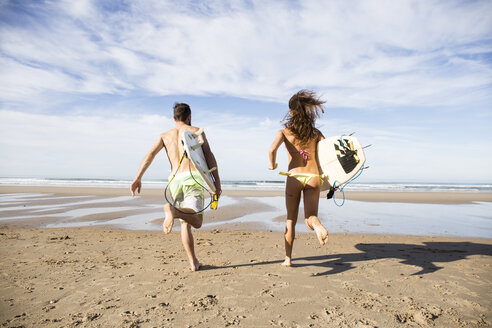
x=35 y=145
x=362 y=54
x=80 y=8
x=44 y=145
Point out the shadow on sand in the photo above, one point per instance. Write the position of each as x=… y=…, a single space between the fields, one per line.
x=424 y=256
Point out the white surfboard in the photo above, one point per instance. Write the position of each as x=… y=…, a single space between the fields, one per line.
x=340 y=159
x=193 y=148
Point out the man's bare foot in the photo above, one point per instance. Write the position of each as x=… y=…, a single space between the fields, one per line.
x=320 y=230
x=167 y=225
x=195 y=266
x=287 y=262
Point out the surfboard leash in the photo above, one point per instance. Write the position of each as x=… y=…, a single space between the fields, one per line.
x=213 y=198
x=333 y=188
x=167 y=186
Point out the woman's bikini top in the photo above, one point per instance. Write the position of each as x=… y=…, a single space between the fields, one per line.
x=304 y=154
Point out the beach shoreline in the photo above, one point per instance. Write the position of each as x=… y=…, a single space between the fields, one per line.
x=411 y=213
x=366 y=196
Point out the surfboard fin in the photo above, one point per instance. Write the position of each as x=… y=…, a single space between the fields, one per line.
x=211 y=170
x=198 y=145
x=200 y=131
x=330 y=193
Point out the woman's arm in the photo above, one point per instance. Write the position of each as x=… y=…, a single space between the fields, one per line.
x=279 y=138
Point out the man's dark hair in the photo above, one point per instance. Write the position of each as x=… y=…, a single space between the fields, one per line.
x=181 y=111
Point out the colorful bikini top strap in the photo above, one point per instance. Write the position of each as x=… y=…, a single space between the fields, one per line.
x=305 y=155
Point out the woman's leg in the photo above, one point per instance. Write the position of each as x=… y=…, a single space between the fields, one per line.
x=311 y=202
x=293 y=190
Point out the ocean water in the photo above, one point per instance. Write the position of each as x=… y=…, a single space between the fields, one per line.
x=251 y=185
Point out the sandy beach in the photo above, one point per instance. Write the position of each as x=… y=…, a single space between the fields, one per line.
x=100 y=276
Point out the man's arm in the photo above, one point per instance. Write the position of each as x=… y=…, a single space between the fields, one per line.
x=279 y=138
x=211 y=162
x=137 y=183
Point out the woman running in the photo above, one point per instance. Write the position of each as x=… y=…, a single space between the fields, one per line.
x=301 y=137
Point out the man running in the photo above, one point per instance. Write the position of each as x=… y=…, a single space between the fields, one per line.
x=185 y=190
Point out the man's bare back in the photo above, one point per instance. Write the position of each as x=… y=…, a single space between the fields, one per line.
x=174 y=148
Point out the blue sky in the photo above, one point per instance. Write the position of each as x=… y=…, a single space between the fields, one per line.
x=87 y=86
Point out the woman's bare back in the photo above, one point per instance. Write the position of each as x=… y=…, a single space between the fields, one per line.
x=302 y=158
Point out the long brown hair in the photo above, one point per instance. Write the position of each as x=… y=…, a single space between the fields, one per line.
x=304 y=107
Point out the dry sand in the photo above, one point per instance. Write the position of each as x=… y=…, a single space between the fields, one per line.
x=98 y=277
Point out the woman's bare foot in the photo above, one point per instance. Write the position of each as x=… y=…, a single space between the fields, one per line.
x=167 y=225
x=308 y=224
x=320 y=230
x=287 y=262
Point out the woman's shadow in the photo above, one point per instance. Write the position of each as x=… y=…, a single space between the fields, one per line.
x=424 y=256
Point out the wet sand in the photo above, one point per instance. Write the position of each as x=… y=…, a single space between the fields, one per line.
x=403 y=197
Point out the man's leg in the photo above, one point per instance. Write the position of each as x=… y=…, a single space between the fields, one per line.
x=187 y=214
x=188 y=244
x=188 y=199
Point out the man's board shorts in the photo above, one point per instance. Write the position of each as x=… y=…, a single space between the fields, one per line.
x=186 y=190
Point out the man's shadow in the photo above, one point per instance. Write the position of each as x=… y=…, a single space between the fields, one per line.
x=424 y=256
